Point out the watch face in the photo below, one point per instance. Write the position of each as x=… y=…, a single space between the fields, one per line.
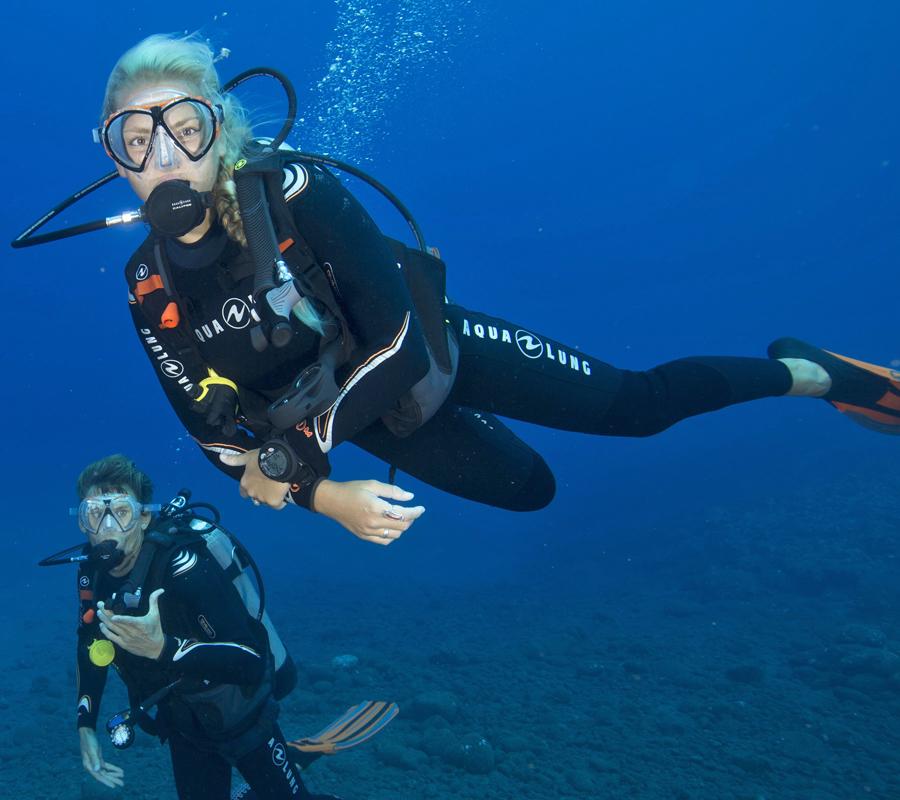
x=274 y=463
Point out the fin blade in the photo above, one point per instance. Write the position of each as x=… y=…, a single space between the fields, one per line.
x=355 y=726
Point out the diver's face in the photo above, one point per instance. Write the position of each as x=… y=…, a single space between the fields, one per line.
x=167 y=162
x=129 y=540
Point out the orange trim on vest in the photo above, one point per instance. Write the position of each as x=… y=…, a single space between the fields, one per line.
x=147 y=286
x=285 y=245
x=170 y=317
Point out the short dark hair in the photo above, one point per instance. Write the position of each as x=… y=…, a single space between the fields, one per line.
x=115 y=474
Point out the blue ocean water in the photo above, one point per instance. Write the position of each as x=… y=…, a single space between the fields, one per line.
x=708 y=613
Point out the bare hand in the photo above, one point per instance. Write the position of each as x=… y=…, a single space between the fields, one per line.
x=255 y=485
x=359 y=507
x=92 y=759
x=140 y=636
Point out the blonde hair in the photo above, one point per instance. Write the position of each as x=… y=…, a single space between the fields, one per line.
x=188 y=60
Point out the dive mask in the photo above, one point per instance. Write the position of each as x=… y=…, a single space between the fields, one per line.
x=186 y=124
x=110 y=513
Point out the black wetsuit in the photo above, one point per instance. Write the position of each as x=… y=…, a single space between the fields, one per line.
x=503 y=369
x=222 y=713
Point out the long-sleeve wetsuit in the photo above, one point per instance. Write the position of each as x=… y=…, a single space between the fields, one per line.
x=214 y=647
x=504 y=369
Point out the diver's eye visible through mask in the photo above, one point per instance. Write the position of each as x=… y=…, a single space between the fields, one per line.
x=188 y=124
x=109 y=513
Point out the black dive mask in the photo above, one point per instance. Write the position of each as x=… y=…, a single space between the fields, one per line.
x=106 y=555
x=174 y=208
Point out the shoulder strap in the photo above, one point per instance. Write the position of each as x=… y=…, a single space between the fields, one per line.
x=167 y=335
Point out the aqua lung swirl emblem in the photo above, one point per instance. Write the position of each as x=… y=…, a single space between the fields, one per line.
x=172 y=368
x=236 y=313
x=278 y=756
x=529 y=345
x=142 y=272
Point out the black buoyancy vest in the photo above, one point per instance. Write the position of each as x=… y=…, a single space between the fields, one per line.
x=177 y=357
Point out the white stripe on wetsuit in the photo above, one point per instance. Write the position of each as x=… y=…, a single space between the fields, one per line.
x=324 y=426
x=189 y=645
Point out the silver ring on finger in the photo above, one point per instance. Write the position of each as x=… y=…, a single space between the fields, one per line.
x=255 y=501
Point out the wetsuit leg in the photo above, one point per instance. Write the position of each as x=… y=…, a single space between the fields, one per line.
x=269 y=771
x=470 y=454
x=508 y=370
x=199 y=775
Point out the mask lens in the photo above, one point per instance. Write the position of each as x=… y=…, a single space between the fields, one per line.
x=114 y=514
x=191 y=125
x=128 y=136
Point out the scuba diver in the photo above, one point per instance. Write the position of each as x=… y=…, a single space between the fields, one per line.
x=281 y=322
x=167 y=602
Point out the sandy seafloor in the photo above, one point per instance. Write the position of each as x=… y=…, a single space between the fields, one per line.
x=728 y=654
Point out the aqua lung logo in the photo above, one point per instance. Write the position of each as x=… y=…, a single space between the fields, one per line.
x=158 y=353
x=172 y=368
x=236 y=313
x=84 y=580
x=280 y=760
x=529 y=345
x=142 y=272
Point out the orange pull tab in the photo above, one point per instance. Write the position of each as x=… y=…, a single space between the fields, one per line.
x=286 y=244
x=88 y=617
x=170 y=316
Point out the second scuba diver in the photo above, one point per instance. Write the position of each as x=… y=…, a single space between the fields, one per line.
x=165 y=602
x=348 y=336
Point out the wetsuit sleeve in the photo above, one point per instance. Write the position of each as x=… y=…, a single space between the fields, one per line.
x=210 y=440
x=390 y=355
x=227 y=646
x=90 y=681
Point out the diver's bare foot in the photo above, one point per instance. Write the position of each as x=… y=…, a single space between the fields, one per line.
x=810 y=380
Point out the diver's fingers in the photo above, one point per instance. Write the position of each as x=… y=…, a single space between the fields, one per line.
x=236 y=459
x=399 y=517
x=375 y=539
x=112 y=769
x=113 y=775
x=382 y=535
x=390 y=491
x=113 y=636
x=108 y=623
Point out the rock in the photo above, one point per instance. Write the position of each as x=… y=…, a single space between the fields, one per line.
x=477 y=755
x=746 y=673
x=871 y=661
x=514 y=743
x=446 y=658
x=752 y=764
x=346 y=661
x=582 y=781
x=590 y=669
x=427 y=704
x=442 y=743
x=395 y=755
x=304 y=702
x=865 y=635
